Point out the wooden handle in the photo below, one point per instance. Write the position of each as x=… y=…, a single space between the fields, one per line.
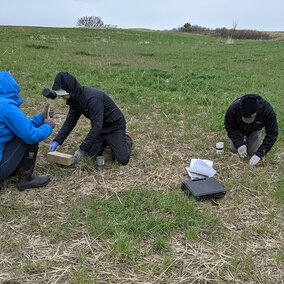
x=48 y=111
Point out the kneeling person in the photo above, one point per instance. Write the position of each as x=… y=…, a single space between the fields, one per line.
x=244 y=121
x=19 y=136
x=108 y=125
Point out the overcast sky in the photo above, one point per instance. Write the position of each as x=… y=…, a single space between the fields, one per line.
x=264 y=15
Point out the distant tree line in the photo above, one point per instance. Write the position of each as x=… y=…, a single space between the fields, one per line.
x=224 y=32
x=92 y=21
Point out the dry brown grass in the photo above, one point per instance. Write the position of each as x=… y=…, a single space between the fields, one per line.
x=35 y=247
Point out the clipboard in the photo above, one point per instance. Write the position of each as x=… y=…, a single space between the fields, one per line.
x=203 y=189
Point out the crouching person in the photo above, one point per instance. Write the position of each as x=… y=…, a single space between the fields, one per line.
x=19 y=136
x=244 y=121
x=108 y=125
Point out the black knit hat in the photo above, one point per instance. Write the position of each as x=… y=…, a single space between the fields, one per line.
x=249 y=107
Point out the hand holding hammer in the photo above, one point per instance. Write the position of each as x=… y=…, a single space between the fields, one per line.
x=47 y=112
x=49 y=95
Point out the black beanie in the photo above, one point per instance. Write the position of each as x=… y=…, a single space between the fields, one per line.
x=249 y=106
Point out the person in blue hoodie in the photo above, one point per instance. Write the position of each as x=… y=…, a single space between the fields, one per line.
x=19 y=136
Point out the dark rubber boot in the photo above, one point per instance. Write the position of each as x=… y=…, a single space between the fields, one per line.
x=26 y=168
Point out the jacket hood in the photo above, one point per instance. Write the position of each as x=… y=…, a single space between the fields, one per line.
x=69 y=83
x=9 y=89
x=252 y=96
x=245 y=99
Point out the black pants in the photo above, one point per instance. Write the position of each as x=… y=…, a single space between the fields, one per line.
x=13 y=154
x=120 y=145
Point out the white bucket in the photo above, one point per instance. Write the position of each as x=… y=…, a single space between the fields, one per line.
x=220 y=147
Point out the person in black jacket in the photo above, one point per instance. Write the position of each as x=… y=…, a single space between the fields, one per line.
x=244 y=121
x=108 y=125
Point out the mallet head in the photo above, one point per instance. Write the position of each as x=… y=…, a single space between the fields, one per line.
x=49 y=94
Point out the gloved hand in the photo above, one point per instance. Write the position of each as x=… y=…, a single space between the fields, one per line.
x=45 y=111
x=53 y=146
x=254 y=160
x=242 y=150
x=50 y=122
x=77 y=156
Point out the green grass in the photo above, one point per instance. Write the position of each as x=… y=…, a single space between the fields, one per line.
x=133 y=223
x=279 y=256
x=86 y=53
x=82 y=276
x=33 y=268
x=279 y=188
x=143 y=214
x=138 y=215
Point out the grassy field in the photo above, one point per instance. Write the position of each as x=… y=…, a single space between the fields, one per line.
x=133 y=224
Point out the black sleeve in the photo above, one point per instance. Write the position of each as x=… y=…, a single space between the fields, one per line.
x=69 y=124
x=96 y=109
x=271 y=131
x=232 y=130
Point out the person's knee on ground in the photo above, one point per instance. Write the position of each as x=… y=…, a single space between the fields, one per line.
x=253 y=142
x=123 y=162
x=26 y=179
x=120 y=144
x=121 y=159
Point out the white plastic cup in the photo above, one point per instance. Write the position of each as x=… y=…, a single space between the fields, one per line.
x=220 y=147
x=100 y=162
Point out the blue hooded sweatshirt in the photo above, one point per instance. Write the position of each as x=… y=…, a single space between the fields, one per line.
x=13 y=122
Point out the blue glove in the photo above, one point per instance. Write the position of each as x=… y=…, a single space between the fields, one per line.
x=53 y=146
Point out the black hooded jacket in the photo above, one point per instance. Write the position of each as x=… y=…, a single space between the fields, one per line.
x=265 y=117
x=94 y=104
